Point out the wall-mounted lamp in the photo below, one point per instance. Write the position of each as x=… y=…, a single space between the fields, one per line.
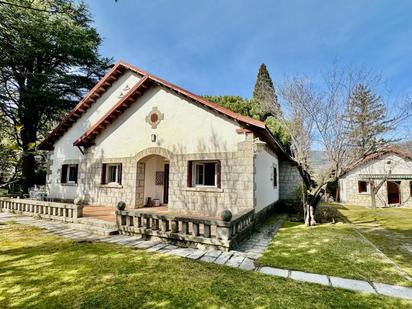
x=153 y=138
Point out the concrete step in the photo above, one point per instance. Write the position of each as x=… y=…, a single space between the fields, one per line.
x=95 y=226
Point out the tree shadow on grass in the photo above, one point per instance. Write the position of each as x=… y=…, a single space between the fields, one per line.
x=54 y=273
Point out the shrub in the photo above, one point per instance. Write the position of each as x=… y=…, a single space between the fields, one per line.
x=325 y=214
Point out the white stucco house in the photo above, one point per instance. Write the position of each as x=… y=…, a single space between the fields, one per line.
x=391 y=166
x=142 y=140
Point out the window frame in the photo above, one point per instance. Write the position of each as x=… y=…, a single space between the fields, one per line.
x=203 y=165
x=69 y=167
x=105 y=174
x=275 y=176
x=65 y=174
x=192 y=179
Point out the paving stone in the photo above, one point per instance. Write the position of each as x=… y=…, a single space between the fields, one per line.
x=213 y=253
x=274 y=271
x=393 y=290
x=196 y=254
x=253 y=255
x=208 y=258
x=309 y=277
x=157 y=247
x=350 y=284
x=235 y=261
x=223 y=258
x=168 y=248
x=145 y=245
x=247 y=264
x=183 y=252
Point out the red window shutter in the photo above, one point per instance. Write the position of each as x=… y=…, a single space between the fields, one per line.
x=189 y=173
x=120 y=174
x=103 y=180
x=218 y=174
x=76 y=173
x=64 y=174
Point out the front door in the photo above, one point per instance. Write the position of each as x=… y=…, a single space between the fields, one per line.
x=394 y=196
x=166 y=185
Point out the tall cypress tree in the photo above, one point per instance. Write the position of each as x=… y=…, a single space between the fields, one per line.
x=367 y=120
x=265 y=96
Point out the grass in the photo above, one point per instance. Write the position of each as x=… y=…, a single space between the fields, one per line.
x=390 y=229
x=42 y=271
x=332 y=249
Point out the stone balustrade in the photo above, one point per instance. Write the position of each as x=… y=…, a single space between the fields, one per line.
x=187 y=230
x=45 y=210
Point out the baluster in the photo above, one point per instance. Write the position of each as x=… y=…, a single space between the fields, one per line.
x=155 y=224
x=195 y=227
x=165 y=225
x=175 y=226
x=128 y=221
x=185 y=227
x=206 y=231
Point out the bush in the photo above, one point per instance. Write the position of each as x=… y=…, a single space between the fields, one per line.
x=325 y=214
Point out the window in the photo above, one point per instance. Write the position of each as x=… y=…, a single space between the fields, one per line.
x=275 y=176
x=203 y=174
x=410 y=188
x=69 y=173
x=362 y=186
x=111 y=173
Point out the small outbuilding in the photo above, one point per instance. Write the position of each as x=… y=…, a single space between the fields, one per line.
x=389 y=168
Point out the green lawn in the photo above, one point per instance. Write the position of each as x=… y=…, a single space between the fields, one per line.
x=42 y=271
x=332 y=249
x=390 y=229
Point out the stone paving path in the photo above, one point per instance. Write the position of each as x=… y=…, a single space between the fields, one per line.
x=243 y=258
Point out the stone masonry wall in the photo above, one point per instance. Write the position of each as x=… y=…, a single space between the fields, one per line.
x=237 y=181
x=289 y=180
x=353 y=197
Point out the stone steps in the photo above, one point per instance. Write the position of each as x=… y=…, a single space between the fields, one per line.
x=95 y=226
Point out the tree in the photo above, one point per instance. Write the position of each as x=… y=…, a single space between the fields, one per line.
x=265 y=96
x=237 y=104
x=368 y=121
x=48 y=59
x=276 y=126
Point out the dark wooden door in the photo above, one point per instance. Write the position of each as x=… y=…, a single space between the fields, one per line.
x=394 y=196
x=166 y=185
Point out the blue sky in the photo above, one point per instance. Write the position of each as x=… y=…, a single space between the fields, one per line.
x=215 y=47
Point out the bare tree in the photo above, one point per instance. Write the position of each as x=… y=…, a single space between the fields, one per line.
x=317 y=114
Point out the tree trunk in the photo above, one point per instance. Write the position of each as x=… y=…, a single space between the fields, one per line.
x=28 y=136
x=373 y=194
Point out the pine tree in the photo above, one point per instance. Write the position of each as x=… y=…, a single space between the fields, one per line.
x=265 y=96
x=367 y=121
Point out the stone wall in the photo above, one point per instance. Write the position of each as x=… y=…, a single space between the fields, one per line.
x=289 y=180
x=237 y=181
x=353 y=197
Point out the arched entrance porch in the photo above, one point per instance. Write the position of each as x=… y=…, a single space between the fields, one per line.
x=152 y=187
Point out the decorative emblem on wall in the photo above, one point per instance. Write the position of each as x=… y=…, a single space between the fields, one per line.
x=154 y=117
x=124 y=90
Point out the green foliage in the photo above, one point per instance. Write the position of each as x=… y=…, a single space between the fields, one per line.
x=265 y=96
x=47 y=62
x=325 y=214
x=250 y=108
x=279 y=129
x=367 y=120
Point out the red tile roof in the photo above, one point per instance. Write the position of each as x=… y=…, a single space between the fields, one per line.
x=118 y=69
x=378 y=154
